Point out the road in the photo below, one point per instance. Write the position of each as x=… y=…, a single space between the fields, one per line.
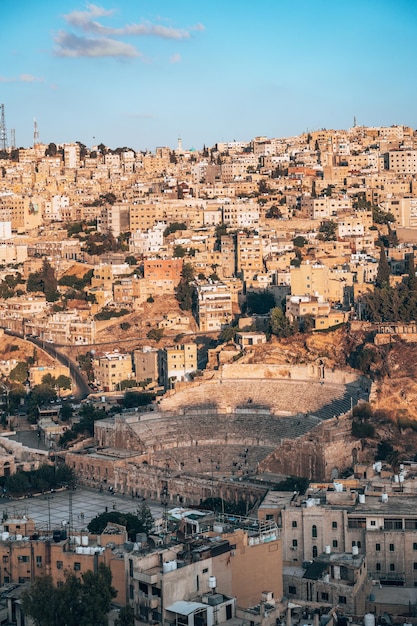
x=81 y=385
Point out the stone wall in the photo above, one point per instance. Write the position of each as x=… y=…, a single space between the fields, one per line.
x=320 y=455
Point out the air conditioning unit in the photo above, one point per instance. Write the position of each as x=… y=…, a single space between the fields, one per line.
x=293 y=547
x=38 y=564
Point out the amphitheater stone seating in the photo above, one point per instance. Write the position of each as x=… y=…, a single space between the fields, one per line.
x=228 y=427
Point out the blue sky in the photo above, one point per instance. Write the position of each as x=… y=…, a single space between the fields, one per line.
x=140 y=74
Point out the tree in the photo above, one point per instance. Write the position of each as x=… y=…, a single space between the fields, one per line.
x=383 y=273
x=145 y=517
x=260 y=302
x=130 y=521
x=20 y=372
x=327 y=230
x=279 y=324
x=83 y=601
x=184 y=290
x=66 y=412
x=41 y=601
x=64 y=382
x=126 y=616
x=274 y=212
x=299 y=241
x=134 y=399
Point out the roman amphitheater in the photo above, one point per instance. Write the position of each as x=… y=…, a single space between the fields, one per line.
x=232 y=424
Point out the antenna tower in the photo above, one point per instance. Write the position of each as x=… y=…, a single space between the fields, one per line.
x=35 y=132
x=13 y=138
x=3 y=132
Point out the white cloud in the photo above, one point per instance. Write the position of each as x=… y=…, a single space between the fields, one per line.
x=69 y=45
x=85 y=21
x=23 y=78
x=176 y=58
x=28 y=78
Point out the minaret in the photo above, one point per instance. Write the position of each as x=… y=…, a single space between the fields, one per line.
x=35 y=132
x=3 y=132
x=179 y=146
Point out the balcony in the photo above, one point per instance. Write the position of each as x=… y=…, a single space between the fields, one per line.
x=150 y=576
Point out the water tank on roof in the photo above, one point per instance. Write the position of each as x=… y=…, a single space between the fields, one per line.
x=369 y=619
x=355 y=550
x=327 y=549
x=212 y=582
x=362 y=498
x=84 y=540
x=5 y=535
x=384 y=497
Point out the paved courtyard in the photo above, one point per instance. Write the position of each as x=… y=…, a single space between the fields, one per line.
x=52 y=510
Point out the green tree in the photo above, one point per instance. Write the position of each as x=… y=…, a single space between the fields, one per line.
x=260 y=302
x=126 y=616
x=328 y=230
x=383 y=273
x=130 y=521
x=184 y=290
x=20 y=372
x=134 y=399
x=64 y=382
x=84 y=601
x=41 y=601
x=279 y=324
x=66 y=412
x=145 y=517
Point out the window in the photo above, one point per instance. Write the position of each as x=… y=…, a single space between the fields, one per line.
x=342 y=599
x=77 y=566
x=324 y=596
x=131 y=592
x=378 y=547
x=5 y=558
x=334 y=524
x=335 y=543
x=39 y=561
x=373 y=522
x=205 y=570
x=292 y=589
x=314 y=531
x=294 y=543
x=414 y=565
x=314 y=552
x=378 y=567
x=294 y=525
x=392 y=567
x=414 y=546
x=391 y=547
x=59 y=564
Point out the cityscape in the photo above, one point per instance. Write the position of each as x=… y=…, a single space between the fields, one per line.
x=208 y=379
x=208 y=313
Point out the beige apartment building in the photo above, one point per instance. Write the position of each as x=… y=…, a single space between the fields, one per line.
x=177 y=363
x=111 y=368
x=145 y=364
x=313 y=279
x=403 y=161
x=214 y=308
x=249 y=255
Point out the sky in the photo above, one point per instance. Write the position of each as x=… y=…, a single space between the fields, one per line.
x=142 y=74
